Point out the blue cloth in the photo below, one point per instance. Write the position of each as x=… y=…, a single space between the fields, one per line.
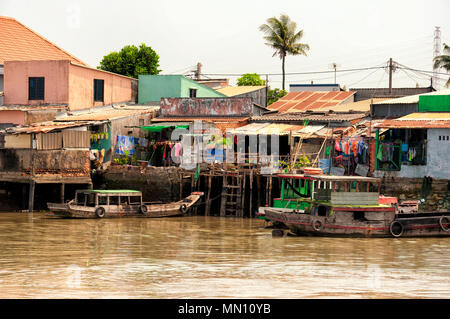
x=125 y=144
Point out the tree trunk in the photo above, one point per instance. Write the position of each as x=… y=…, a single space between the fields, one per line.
x=282 y=68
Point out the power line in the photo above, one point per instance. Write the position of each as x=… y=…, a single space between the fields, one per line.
x=297 y=73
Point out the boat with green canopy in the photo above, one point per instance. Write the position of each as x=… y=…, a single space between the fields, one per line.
x=91 y=203
x=347 y=206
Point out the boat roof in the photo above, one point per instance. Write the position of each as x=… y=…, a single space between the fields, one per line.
x=331 y=178
x=127 y=192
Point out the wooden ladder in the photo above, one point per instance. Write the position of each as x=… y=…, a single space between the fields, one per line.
x=231 y=204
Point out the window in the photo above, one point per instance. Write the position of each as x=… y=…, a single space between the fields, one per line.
x=98 y=90
x=192 y=92
x=36 y=88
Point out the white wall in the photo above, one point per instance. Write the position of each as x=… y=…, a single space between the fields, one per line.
x=438 y=158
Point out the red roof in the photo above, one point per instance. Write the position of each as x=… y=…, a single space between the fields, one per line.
x=309 y=100
x=19 y=43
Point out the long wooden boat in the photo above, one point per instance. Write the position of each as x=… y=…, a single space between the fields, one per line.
x=119 y=203
x=347 y=206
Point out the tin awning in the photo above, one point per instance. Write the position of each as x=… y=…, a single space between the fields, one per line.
x=265 y=129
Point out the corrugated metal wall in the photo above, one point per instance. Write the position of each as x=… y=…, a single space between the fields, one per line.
x=66 y=139
x=49 y=141
x=393 y=110
x=76 y=139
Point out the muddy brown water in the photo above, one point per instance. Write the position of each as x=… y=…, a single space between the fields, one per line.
x=208 y=257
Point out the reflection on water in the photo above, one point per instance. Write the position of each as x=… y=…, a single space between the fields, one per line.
x=208 y=257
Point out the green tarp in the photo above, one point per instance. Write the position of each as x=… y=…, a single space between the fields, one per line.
x=434 y=103
x=158 y=128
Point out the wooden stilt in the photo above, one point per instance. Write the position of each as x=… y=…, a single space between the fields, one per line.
x=270 y=190
x=62 y=192
x=31 y=196
x=224 y=196
x=250 y=212
x=208 y=190
x=181 y=186
x=241 y=211
x=258 y=189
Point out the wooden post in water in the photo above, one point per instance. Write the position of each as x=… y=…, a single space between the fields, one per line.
x=258 y=189
x=31 y=196
x=62 y=192
x=181 y=185
x=251 y=194
x=270 y=190
x=241 y=212
x=208 y=190
x=224 y=196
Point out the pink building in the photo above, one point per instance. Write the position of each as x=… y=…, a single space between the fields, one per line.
x=36 y=91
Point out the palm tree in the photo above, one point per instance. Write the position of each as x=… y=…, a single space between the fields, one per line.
x=282 y=36
x=443 y=61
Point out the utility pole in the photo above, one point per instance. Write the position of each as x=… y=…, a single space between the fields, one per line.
x=390 y=76
x=267 y=89
x=334 y=67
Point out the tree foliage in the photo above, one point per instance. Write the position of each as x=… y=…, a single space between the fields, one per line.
x=281 y=35
x=250 y=79
x=131 y=61
x=443 y=61
x=274 y=95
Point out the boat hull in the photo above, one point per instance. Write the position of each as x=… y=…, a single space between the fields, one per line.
x=180 y=208
x=401 y=225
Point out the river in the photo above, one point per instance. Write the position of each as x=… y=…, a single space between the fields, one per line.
x=208 y=257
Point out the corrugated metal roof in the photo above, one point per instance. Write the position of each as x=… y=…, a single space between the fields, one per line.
x=412 y=99
x=199 y=118
x=49 y=126
x=441 y=116
x=265 y=129
x=309 y=100
x=279 y=129
x=417 y=120
x=103 y=114
x=251 y=128
x=319 y=117
x=238 y=90
x=360 y=106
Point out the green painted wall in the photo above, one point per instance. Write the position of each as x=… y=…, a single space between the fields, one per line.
x=202 y=90
x=154 y=87
x=434 y=103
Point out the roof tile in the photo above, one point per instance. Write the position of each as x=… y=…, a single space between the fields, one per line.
x=19 y=43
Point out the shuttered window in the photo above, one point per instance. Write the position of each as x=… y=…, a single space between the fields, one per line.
x=192 y=92
x=36 y=86
x=98 y=90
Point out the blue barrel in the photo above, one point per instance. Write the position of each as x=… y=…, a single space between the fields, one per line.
x=325 y=165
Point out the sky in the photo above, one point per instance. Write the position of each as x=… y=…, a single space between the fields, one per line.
x=224 y=36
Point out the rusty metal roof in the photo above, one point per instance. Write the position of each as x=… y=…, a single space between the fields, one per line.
x=201 y=118
x=417 y=120
x=309 y=100
x=108 y=113
x=318 y=117
x=49 y=126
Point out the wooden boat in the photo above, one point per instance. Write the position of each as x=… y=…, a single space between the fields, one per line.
x=347 y=206
x=119 y=203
